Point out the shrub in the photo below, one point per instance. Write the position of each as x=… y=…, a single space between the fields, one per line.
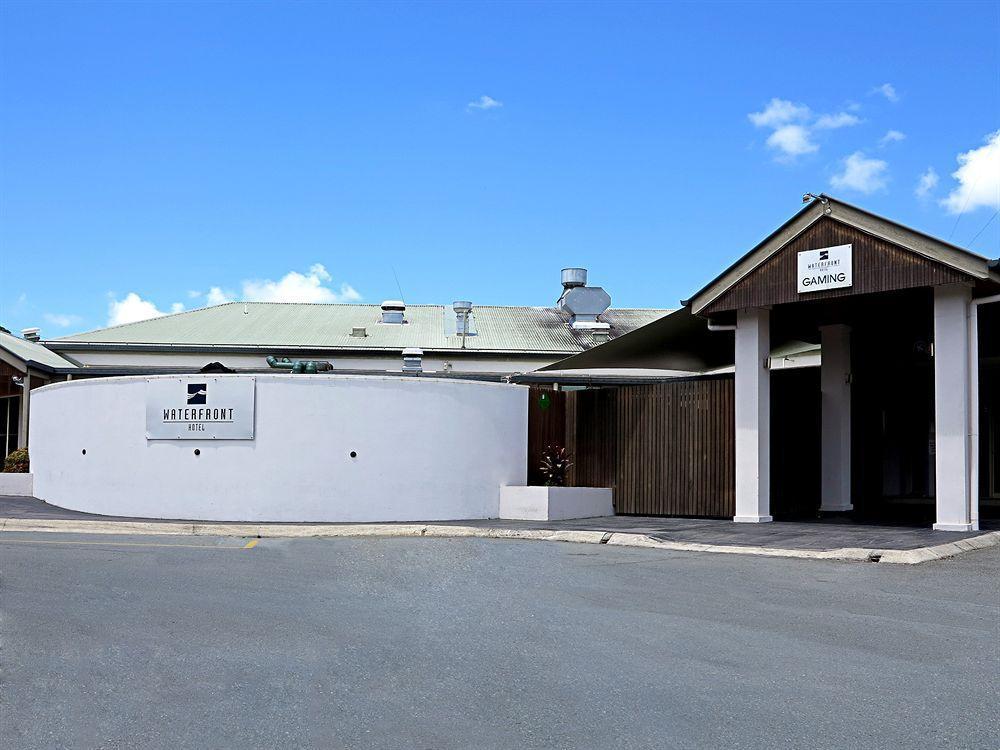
x=16 y=462
x=555 y=464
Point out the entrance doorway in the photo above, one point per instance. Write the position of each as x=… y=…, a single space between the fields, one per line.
x=10 y=408
x=892 y=409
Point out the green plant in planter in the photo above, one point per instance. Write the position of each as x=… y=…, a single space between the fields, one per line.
x=16 y=462
x=555 y=464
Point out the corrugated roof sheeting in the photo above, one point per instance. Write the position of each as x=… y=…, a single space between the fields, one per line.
x=273 y=324
x=29 y=351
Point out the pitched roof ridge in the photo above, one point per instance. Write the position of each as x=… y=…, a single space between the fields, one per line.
x=931 y=237
x=144 y=320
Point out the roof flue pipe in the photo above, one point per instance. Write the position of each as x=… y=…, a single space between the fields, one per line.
x=573 y=277
x=463 y=310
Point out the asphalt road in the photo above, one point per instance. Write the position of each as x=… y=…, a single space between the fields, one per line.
x=191 y=642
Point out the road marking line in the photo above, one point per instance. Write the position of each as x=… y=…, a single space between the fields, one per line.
x=115 y=544
x=251 y=544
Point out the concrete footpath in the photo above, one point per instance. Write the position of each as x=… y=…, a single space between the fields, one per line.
x=835 y=540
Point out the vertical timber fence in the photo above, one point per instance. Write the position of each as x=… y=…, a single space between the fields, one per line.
x=665 y=448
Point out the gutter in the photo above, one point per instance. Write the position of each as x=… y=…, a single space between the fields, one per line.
x=611 y=380
x=126 y=371
x=61 y=346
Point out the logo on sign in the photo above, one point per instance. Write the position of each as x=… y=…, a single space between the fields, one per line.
x=197 y=393
x=825 y=268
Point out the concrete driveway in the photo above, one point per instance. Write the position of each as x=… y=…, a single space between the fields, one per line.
x=161 y=642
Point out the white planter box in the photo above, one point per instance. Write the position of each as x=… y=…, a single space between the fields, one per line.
x=554 y=503
x=15 y=484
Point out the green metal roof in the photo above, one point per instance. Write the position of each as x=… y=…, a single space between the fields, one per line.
x=29 y=351
x=290 y=324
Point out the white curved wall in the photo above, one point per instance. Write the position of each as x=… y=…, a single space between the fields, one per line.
x=426 y=450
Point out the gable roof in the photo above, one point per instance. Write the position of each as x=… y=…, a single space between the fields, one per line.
x=32 y=353
x=290 y=325
x=952 y=256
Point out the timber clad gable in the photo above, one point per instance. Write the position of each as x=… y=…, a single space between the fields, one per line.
x=879 y=266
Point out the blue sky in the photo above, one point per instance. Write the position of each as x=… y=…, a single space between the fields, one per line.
x=160 y=155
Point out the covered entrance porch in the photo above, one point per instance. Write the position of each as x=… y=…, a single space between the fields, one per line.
x=902 y=388
x=857 y=436
x=847 y=365
x=24 y=366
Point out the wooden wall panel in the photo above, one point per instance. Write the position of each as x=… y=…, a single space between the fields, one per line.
x=665 y=448
x=592 y=436
x=879 y=266
x=546 y=426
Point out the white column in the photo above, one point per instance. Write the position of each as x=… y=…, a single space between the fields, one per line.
x=835 y=388
x=753 y=416
x=951 y=407
x=22 y=418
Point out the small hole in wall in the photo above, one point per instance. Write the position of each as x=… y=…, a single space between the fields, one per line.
x=197 y=451
x=84 y=451
x=354 y=454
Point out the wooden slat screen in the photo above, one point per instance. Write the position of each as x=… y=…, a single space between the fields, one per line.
x=665 y=448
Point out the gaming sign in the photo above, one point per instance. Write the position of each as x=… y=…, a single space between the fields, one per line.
x=826 y=268
x=200 y=408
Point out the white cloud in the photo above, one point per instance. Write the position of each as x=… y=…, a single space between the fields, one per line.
x=926 y=184
x=888 y=91
x=216 y=296
x=485 y=102
x=311 y=286
x=793 y=126
x=891 y=136
x=862 y=174
x=297 y=287
x=839 y=120
x=133 y=307
x=978 y=177
x=792 y=140
x=60 y=320
x=779 y=112
x=194 y=294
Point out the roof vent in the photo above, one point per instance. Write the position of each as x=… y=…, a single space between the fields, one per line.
x=392 y=311
x=32 y=334
x=359 y=332
x=463 y=317
x=413 y=359
x=583 y=304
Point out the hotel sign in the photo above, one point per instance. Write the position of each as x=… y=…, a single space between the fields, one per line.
x=200 y=408
x=826 y=268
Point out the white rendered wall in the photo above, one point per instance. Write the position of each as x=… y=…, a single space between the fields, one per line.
x=951 y=407
x=426 y=450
